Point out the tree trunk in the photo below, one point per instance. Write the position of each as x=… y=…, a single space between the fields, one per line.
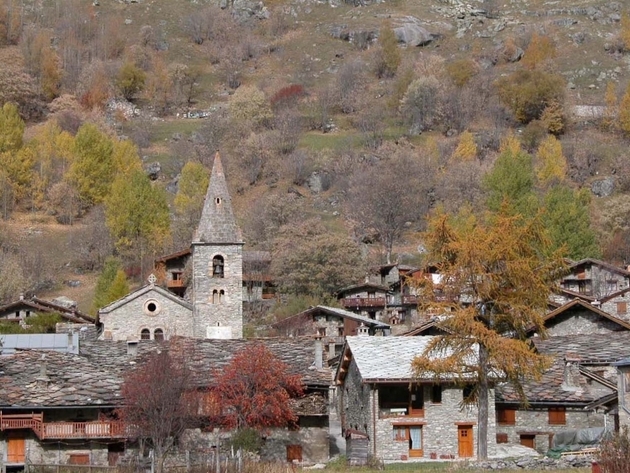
x=482 y=399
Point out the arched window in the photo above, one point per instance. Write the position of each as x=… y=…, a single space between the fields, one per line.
x=158 y=334
x=221 y=296
x=215 y=297
x=145 y=334
x=217 y=266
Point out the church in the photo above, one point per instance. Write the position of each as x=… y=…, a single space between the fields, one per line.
x=214 y=306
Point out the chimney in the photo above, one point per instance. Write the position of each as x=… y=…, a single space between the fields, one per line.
x=21 y=296
x=332 y=350
x=132 y=347
x=70 y=341
x=42 y=379
x=363 y=331
x=319 y=352
x=571 y=375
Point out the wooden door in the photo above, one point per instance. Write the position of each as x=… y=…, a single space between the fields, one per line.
x=465 y=441
x=294 y=453
x=16 y=449
x=528 y=441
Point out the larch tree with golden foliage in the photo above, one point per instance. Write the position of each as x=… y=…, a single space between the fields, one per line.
x=624 y=112
x=496 y=278
x=551 y=164
x=467 y=148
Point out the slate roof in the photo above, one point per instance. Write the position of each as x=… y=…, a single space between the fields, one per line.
x=37 y=379
x=366 y=285
x=382 y=359
x=589 y=350
x=217 y=223
x=47 y=307
x=207 y=355
x=598 y=262
x=345 y=314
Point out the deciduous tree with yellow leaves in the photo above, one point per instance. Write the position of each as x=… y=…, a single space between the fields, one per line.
x=496 y=278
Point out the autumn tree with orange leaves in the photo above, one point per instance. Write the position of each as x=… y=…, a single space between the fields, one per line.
x=496 y=278
x=254 y=389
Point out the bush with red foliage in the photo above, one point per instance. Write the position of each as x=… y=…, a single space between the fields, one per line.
x=254 y=391
x=287 y=96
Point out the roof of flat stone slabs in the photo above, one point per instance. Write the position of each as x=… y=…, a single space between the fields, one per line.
x=592 y=348
x=33 y=378
x=387 y=358
x=217 y=223
x=205 y=356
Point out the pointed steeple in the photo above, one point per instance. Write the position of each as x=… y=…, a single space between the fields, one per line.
x=217 y=224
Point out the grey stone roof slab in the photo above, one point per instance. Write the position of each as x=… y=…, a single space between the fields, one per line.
x=217 y=224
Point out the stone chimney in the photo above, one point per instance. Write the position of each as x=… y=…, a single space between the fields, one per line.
x=132 y=347
x=42 y=379
x=319 y=352
x=363 y=331
x=571 y=375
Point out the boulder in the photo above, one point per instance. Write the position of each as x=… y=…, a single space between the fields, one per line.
x=153 y=170
x=603 y=187
x=413 y=35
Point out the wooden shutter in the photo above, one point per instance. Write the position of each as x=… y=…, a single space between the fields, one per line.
x=557 y=416
x=294 y=453
x=79 y=459
x=502 y=438
x=506 y=416
x=622 y=308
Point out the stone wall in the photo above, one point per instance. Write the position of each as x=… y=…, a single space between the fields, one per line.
x=536 y=421
x=228 y=312
x=127 y=321
x=54 y=453
x=581 y=322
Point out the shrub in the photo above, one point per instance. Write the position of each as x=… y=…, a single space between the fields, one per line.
x=388 y=55
x=528 y=92
x=287 y=96
x=614 y=453
x=461 y=71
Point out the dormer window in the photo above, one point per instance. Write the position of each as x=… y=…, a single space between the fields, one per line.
x=217 y=267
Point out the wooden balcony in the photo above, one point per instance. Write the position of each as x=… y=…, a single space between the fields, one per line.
x=363 y=302
x=409 y=299
x=175 y=283
x=63 y=430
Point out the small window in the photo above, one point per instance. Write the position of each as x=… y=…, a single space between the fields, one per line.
x=218 y=200
x=177 y=276
x=557 y=416
x=502 y=438
x=506 y=416
x=145 y=334
x=294 y=453
x=340 y=332
x=321 y=331
x=215 y=297
x=217 y=266
x=436 y=394
x=151 y=307
x=221 y=296
x=468 y=393
x=158 y=334
x=622 y=308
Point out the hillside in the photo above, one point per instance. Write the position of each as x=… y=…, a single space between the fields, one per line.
x=313 y=111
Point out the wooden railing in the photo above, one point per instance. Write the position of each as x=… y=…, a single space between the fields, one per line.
x=363 y=302
x=175 y=283
x=409 y=299
x=63 y=430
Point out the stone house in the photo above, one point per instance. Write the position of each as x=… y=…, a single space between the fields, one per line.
x=331 y=324
x=592 y=280
x=215 y=296
x=578 y=391
x=404 y=416
x=17 y=311
x=58 y=407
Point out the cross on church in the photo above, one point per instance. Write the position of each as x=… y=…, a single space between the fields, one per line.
x=152 y=279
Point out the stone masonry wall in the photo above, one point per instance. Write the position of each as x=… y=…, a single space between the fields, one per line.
x=582 y=322
x=439 y=425
x=126 y=322
x=229 y=311
x=537 y=421
x=54 y=453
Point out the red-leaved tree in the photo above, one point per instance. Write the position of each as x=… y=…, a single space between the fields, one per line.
x=158 y=407
x=253 y=391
